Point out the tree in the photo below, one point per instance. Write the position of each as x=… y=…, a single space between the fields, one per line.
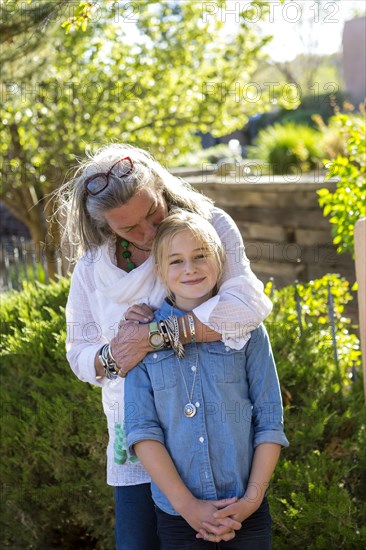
x=155 y=82
x=307 y=69
x=27 y=32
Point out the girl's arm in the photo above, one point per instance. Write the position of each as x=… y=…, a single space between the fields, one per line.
x=158 y=463
x=269 y=436
x=264 y=463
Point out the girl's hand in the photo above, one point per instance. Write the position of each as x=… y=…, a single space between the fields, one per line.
x=130 y=345
x=201 y=513
x=239 y=511
x=140 y=312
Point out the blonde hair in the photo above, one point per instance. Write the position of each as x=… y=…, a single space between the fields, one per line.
x=177 y=222
x=81 y=215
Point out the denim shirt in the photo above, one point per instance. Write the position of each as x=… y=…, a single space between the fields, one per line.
x=238 y=403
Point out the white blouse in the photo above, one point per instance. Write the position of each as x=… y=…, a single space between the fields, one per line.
x=101 y=292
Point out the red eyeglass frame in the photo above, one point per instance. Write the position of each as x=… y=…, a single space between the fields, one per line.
x=106 y=176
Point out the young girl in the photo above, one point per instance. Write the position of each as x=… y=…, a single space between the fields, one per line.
x=207 y=425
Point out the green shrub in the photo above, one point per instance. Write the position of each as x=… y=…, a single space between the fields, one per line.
x=334 y=142
x=316 y=495
x=289 y=149
x=16 y=274
x=54 y=431
x=348 y=202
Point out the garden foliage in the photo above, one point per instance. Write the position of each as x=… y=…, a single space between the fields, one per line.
x=317 y=495
x=288 y=148
x=54 y=432
x=347 y=203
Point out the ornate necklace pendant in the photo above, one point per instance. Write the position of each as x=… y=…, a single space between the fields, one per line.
x=189 y=410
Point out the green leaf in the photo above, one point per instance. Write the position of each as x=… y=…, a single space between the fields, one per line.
x=323 y=192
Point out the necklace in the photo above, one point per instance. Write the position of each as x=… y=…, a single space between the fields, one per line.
x=142 y=249
x=127 y=254
x=190 y=409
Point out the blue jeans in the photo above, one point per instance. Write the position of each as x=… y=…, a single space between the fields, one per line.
x=176 y=534
x=135 y=518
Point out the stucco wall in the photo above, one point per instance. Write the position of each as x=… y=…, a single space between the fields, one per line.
x=354 y=58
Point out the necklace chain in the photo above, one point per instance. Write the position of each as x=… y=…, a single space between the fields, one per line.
x=189 y=409
x=189 y=395
x=142 y=249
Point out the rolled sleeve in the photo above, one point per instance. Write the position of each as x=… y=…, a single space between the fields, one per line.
x=137 y=435
x=141 y=418
x=270 y=436
x=235 y=312
x=264 y=389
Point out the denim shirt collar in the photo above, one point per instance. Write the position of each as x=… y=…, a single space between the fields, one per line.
x=168 y=309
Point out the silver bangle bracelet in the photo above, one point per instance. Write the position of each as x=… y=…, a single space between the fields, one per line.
x=191 y=327
x=107 y=361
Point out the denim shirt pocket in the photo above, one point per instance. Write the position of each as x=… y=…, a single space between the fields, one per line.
x=227 y=365
x=161 y=366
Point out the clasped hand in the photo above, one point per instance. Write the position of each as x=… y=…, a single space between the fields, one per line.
x=130 y=345
x=200 y=514
x=227 y=516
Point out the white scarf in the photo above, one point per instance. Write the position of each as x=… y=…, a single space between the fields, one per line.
x=139 y=285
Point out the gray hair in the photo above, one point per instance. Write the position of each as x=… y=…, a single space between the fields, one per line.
x=81 y=215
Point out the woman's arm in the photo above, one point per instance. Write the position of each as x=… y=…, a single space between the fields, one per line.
x=82 y=354
x=130 y=345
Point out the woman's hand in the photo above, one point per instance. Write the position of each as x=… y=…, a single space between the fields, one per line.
x=140 y=312
x=130 y=345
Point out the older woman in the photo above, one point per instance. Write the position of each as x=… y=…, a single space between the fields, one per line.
x=112 y=209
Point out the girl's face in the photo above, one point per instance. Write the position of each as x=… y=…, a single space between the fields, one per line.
x=190 y=270
x=138 y=219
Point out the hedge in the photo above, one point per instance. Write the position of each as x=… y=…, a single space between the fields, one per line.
x=54 y=433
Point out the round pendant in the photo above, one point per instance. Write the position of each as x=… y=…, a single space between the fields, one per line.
x=190 y=410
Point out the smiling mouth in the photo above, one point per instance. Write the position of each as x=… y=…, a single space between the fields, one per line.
x=194 y=282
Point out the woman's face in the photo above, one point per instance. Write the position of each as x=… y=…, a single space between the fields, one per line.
x=138 y=219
